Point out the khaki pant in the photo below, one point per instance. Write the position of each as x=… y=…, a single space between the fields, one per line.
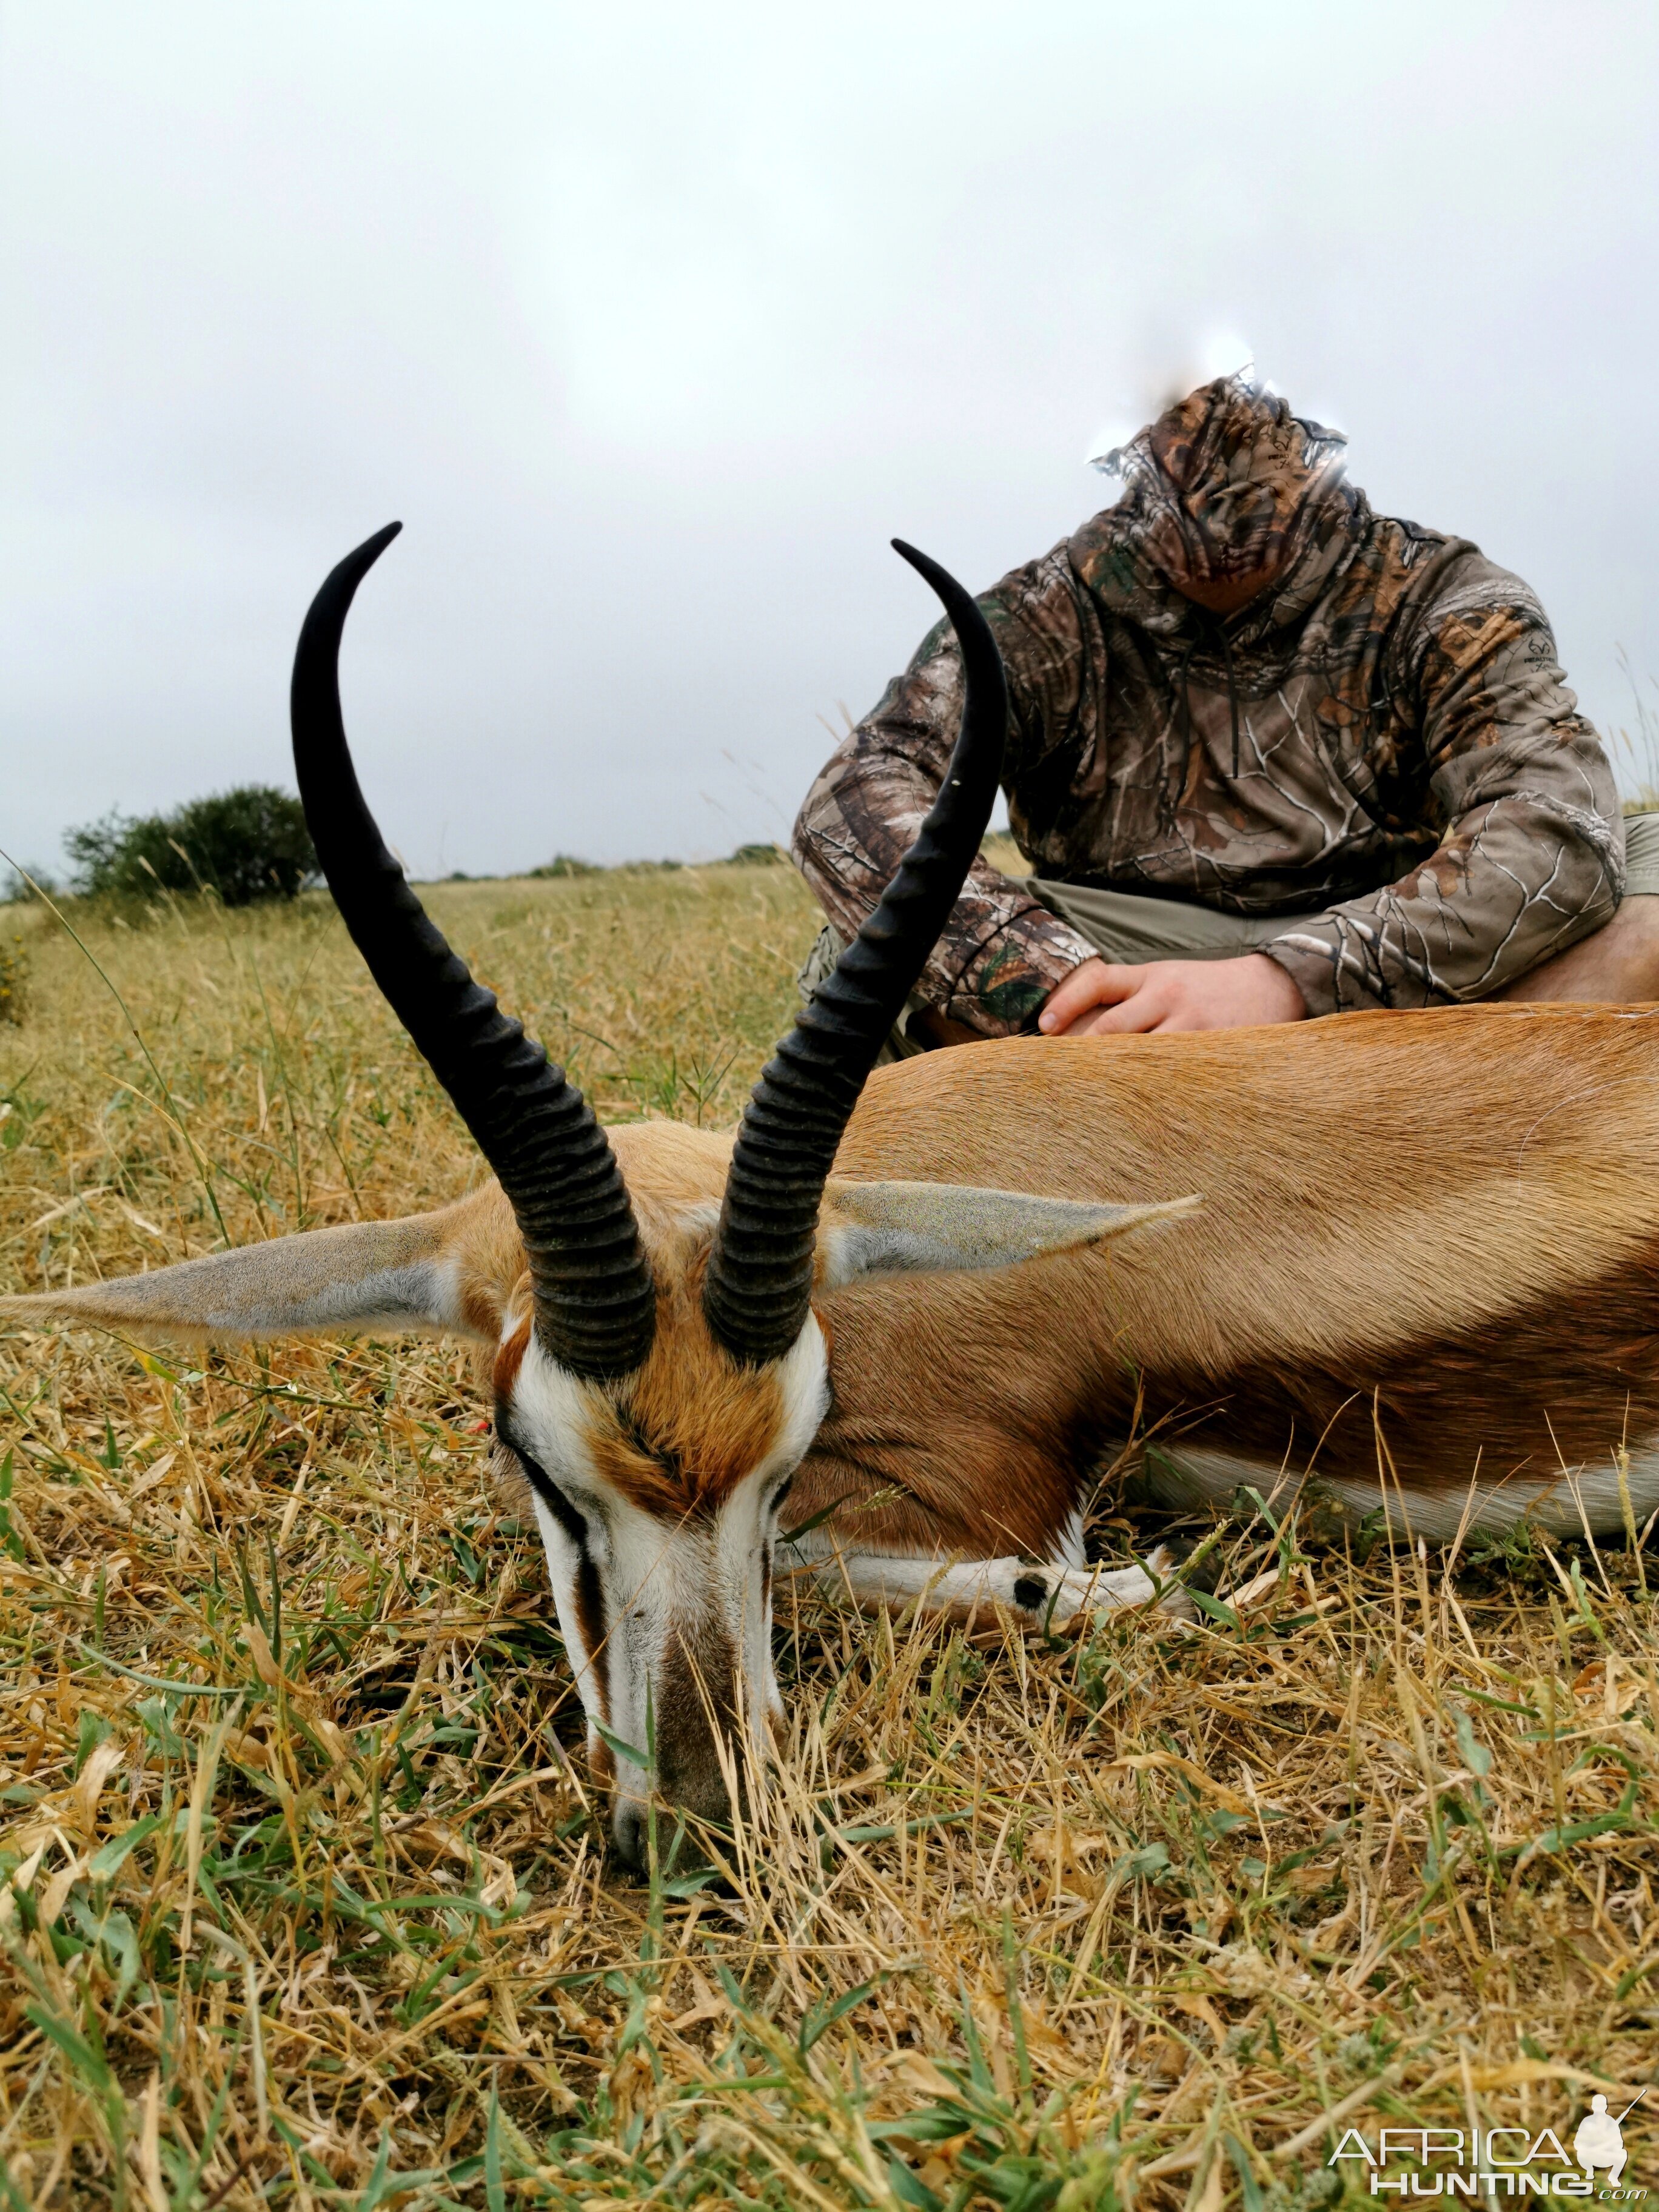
x=1124 y=927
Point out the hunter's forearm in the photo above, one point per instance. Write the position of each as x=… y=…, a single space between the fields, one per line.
x=1002 y=952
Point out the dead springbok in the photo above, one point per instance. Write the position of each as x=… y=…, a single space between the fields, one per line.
x=922 y=1306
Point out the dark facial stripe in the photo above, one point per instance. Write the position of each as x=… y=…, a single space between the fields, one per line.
x=590 y=1591
x=590 y=1622
x=557 y=1503
x=661 y=1455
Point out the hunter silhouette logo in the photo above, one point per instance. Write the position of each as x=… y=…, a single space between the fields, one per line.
x=1485 y=2161
x=1600 y=2141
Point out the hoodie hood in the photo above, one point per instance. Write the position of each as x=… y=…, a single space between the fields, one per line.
x=1228 y=484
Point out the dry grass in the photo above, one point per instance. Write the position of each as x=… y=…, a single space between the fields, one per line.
x=1107 y=1922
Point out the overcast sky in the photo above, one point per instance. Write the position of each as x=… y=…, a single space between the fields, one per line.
x=653 y=325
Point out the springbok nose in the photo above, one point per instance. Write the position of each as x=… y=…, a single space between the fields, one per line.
x=679 y=1849
x=630 y=1831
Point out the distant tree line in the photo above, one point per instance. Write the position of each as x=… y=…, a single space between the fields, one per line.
x=567 y=863
x=248 y=844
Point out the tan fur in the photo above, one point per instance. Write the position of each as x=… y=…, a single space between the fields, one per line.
x=1403 y=1214
x=669 y=1167
x=1440 y=1229
x=485 y=1240
x=679 y=1437
x=504 y=1369
x=1367 y=1180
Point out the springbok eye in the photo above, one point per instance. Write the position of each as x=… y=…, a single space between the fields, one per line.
x=556 y=1501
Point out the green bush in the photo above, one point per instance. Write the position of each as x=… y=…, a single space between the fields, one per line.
x=566 y=864
x=248 y=844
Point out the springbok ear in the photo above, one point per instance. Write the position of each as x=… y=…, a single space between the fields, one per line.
x=871 y=1228
x=390 y=1275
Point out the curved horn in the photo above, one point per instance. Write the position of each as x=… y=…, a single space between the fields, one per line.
x=759 y=1282
x=595 y=1308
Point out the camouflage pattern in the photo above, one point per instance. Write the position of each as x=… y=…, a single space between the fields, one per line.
x=1378 y=747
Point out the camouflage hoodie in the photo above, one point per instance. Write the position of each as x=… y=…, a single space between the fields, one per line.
x=1379 y=746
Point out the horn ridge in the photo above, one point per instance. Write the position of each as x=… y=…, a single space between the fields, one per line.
x=758 y=1286
x=594 y=1300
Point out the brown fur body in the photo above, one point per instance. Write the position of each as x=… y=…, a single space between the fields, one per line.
x=1428 y=1243
x=1440 y=1229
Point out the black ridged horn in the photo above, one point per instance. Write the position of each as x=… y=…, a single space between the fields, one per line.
x=595 y=1308
x=759 y=1282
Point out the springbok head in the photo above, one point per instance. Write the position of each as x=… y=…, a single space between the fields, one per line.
x=659 y=1367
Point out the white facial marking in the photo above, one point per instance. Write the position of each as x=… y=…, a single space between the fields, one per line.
x=651 y=1577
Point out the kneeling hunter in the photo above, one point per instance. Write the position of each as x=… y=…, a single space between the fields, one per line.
x=1270 y=755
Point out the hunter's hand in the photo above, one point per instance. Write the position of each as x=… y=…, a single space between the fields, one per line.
x=1099 y=997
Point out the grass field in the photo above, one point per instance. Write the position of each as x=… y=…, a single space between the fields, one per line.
x=304 y=1895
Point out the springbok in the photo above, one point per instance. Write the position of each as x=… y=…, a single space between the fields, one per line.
x=921 y=1304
